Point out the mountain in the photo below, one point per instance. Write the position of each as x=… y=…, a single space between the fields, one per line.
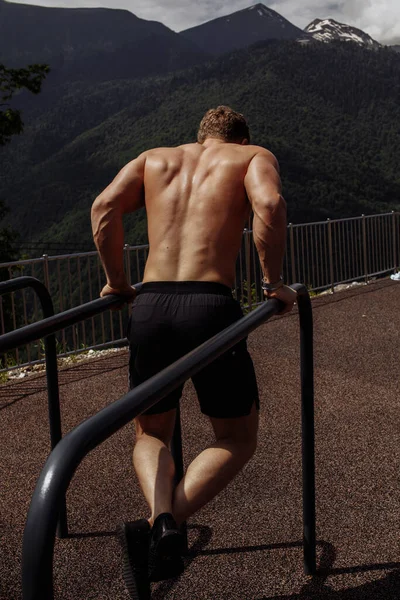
x=396 y=48
x=90 y=44
x=243 y=28
x=335 y=134
x=327 y=30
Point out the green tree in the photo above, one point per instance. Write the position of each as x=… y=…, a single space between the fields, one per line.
x=12 y=80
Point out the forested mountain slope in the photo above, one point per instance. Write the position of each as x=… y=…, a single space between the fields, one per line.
x=330 y=112
x=90 y=45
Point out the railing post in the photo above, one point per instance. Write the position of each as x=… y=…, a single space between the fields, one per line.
x=394 y=240
x=292 y=259
x=127 y=263
x=365 y=253
x=248 y=267
x=177 y=454
x=127 y=256
x=307 y=420
x=330 y=249
x=46 y=270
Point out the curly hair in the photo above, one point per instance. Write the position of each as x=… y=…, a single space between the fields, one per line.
x=223 y=123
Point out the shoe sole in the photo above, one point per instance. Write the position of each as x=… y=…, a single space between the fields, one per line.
x=127 y=570
x=165 y=560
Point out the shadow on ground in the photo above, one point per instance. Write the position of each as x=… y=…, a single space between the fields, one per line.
x=386 y=588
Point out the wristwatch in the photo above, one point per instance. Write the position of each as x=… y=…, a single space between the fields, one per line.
x=272 y=287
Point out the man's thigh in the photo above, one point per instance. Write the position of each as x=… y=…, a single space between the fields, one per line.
x=242 y=430
x=160 y=426
x=227 y=388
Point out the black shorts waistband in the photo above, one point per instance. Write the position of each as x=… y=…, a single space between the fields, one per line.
x=186 y=287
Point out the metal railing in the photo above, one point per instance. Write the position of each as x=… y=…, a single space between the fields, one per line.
x=40 y=529
x=21 y=283
x=322 y=255
x=45 y=330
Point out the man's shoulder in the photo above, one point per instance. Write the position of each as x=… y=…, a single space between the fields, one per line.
x=262 y=153
x=261 y=150
x=170 y=149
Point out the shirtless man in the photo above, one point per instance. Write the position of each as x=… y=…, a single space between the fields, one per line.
x=198 y=198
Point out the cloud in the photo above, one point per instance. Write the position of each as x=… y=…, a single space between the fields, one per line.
x=379 y=18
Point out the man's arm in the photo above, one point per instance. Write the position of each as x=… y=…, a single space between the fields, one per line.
x=263 y=187
x=124 y=195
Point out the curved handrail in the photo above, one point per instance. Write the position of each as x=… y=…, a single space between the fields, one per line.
x=46 y=302
x=46 y=329
x=39 y=534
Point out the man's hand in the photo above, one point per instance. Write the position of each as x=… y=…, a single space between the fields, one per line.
x=286 y=295
x=126 y=291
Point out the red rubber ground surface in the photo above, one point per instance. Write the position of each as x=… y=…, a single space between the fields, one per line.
x=246 y=544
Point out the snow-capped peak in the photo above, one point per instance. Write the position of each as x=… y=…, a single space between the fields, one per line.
x=326 y=30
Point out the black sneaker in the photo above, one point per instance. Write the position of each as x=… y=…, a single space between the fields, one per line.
x=134 y=540
x=165 y=549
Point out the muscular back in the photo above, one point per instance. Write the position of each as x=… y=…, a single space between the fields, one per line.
x=197 y=207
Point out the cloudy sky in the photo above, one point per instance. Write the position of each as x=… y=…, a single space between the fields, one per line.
x=379 y=18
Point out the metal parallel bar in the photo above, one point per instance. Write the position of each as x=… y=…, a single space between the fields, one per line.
x=39 y=534
x=307 y=421
x=394 y=240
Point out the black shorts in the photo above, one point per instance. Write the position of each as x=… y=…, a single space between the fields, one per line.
x=169 y=319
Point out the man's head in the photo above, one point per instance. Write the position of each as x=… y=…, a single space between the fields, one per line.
x=225 y=124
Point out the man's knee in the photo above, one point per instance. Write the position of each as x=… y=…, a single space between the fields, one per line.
x=160 y=426
x=247 y=447
x=241 y=432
